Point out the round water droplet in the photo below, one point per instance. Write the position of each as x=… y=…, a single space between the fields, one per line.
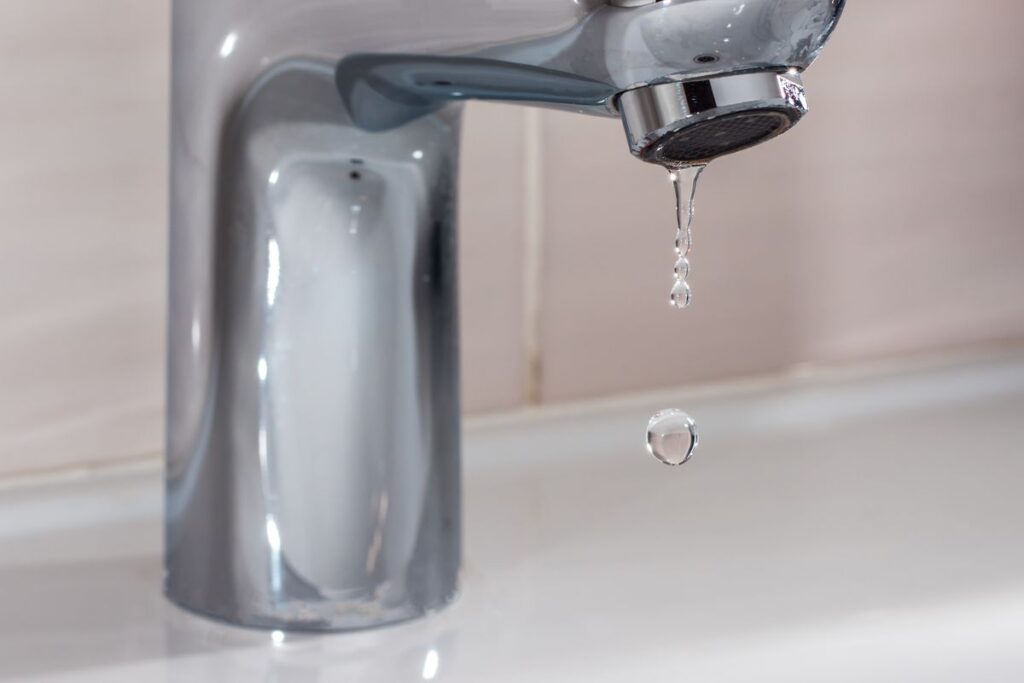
x=681 y=296
x=671 y=436
x=682 y=268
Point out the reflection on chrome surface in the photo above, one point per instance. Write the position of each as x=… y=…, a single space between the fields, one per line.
x=314 y=147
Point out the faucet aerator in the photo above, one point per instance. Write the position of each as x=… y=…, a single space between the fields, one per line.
x=692 y=122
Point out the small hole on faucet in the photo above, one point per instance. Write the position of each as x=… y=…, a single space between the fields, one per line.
x=706 y=59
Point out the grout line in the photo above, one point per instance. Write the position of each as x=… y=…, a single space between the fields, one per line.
x=782 y=379
x=533 y=246
x=795 y=376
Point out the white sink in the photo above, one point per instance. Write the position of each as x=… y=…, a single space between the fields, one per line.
x=844 y=529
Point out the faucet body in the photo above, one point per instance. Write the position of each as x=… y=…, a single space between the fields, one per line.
x=313 y=410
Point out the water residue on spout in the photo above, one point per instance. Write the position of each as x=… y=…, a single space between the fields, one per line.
x=684 y=178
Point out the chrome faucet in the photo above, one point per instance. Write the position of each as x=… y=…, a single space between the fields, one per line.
x=313 y=409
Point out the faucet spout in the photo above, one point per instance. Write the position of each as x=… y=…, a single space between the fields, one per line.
x=312 y=403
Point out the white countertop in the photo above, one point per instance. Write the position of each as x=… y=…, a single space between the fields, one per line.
x=850 y=529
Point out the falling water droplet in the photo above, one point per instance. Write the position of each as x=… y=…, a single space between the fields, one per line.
x=680 y=296
x=685 y=181
x=682 y=267
x=671 y=436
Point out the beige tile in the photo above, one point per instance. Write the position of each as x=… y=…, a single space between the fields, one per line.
x=491 y=256
x=914 y=154
x=888 y=222
x=82 y=223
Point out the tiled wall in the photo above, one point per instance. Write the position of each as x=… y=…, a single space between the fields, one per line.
x=82 y=245
x=889 y=222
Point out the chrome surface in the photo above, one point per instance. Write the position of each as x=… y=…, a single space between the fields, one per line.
x=632 y=3
x=653 y=114
x=313 y=414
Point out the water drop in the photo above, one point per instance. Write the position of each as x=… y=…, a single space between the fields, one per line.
x=682 y=267
x=671 y=436
x=680 y=296
x=684 y=178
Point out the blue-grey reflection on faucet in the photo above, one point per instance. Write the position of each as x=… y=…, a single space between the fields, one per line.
x=313 y=412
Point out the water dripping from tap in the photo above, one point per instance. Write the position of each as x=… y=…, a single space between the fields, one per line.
x=684 y=179
x=671 y=433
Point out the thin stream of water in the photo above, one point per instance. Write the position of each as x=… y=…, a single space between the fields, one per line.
x=685 y=181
